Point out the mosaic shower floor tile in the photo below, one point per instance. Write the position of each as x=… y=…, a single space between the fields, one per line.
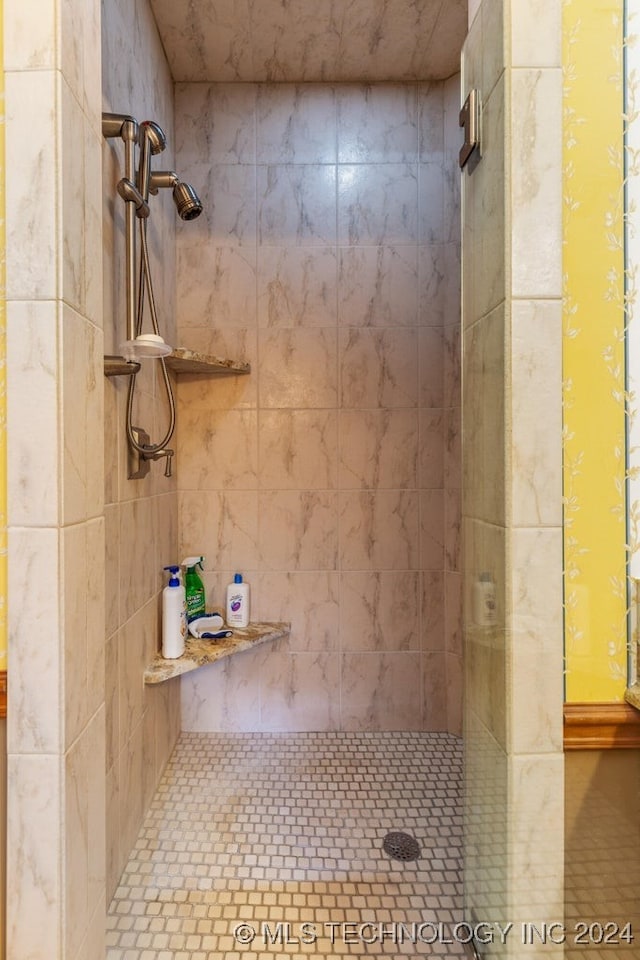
x=257 y=846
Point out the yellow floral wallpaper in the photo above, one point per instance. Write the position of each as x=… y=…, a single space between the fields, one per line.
x=3 y=385
x=594 y=352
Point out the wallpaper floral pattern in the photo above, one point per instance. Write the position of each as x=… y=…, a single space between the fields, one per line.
x=632 y=261
x=3 y=391
x=594 y=353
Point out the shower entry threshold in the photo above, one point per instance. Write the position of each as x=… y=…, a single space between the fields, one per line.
x=198 y=653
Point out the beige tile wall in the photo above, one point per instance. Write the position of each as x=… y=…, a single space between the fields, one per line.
x=512 y=454
x=328 y=257
x=56 y=741
x=142 y=723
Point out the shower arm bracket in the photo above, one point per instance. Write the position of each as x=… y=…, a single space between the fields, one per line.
x=120 y=125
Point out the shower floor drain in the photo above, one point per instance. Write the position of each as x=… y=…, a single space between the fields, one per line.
x=401 y=846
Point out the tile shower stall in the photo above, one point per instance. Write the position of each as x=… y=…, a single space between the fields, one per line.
x=328 y=256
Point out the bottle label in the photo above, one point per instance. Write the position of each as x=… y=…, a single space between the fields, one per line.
x=235 y=602
x=195 y=605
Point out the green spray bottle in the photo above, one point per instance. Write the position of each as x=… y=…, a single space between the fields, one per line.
x=194 y=588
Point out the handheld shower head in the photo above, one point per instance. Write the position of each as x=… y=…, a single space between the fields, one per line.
x=185 y=198
x=152 y=140
x=153 y=133
x=187 y=201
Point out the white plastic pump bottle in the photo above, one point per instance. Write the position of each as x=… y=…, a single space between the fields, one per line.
x=238 y=602
x=174 y=616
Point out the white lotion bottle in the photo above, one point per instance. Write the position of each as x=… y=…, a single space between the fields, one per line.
x=174 y=617
x=238 y=602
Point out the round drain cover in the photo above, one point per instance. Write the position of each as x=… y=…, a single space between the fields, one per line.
x=401 y=846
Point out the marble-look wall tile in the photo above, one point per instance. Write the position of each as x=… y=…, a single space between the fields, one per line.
x=82 y=560
x=379 y=530
x=537 y=638
x=228 y=195
x=296 y=204
x=381 y=691
x=431 y=197
x=30 y=158
x=298 y=530
x=430 y=121
x=72 y=198
x=162 y=714
x=377 y=203
x=453 y=612
x=455 y=694
x=130 y=808
x=434 y=690
x=227 y=438
x=377 y=124
x=484 y=418
x=378 y=368
x=452 y=529
x=297 y=286
x=224 y=695
x=485 y=647
x=297 y=449
x=82 y=375
x=536 y=231
x=216 y=121
x=216 y=284
x=536 y=362
x=92 y=291
x=350 y=44
x=432 y=529
x=379 y=611
x=452 y=359
x=135 y=639
x=309 y=601
x=431 y=354
x=29 y=35
x=432 y=610
x=435 y=278
x=116 y=858
x=536 y=35
x=34 y=849
x=112 y=702
x=346 y=392
x=296 y=124
x=137 y=576
x=34 y=723
x=84 y=831
x=299 y=691
x=537 y=796
x=378 y=449
x=431 y=448
x=378 y=286
x=221 y=525
x=32 y=440
x=297 y=368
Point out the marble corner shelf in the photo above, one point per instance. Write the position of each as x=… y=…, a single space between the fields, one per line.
x=189 y=361
x=180 y=361
x=198 y=653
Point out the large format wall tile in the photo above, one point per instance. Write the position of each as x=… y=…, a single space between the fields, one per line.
x=337 y=286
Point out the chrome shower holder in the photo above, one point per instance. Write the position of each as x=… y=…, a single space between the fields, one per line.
x=134 y=188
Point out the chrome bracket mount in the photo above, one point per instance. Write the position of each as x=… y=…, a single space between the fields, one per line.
x=138 y=466
x=470 y=120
